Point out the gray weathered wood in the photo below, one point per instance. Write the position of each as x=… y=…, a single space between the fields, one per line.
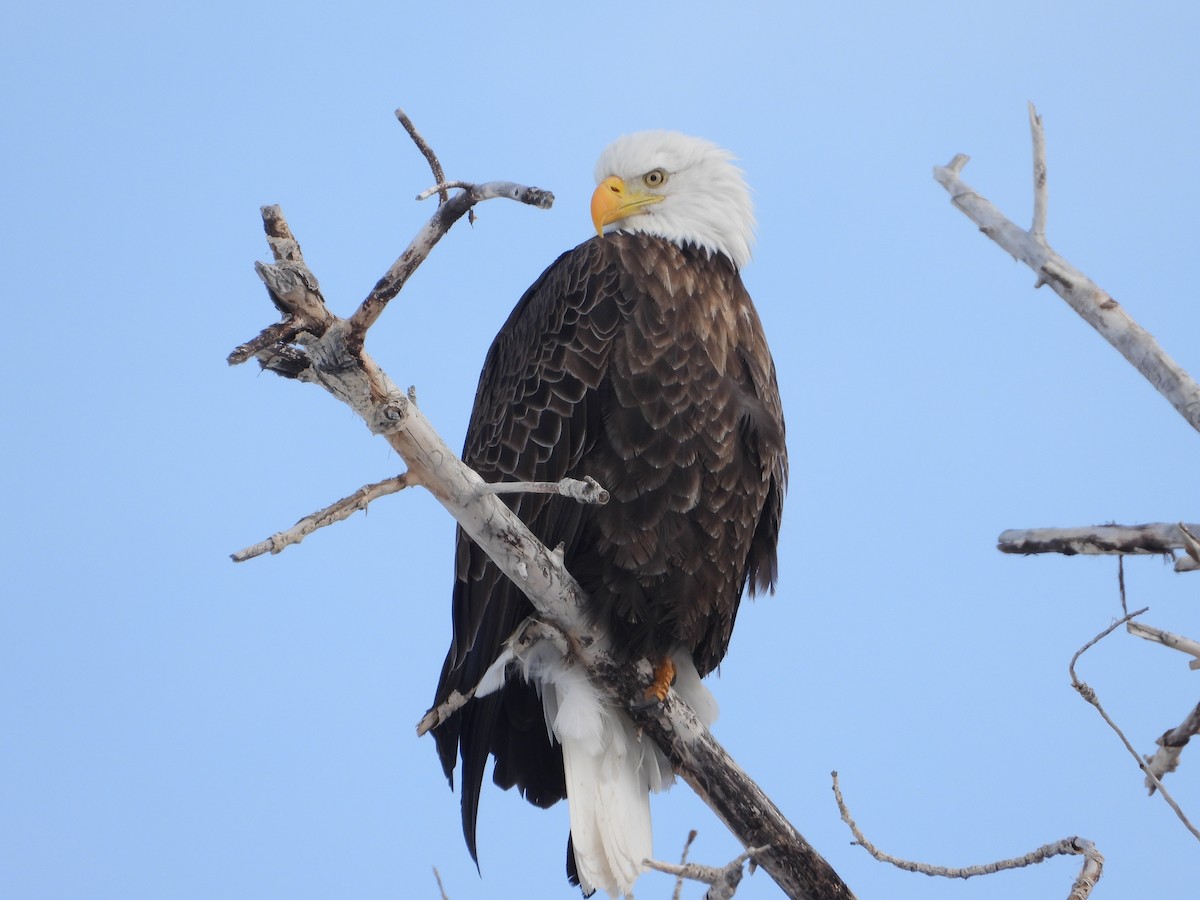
x=1096 y=307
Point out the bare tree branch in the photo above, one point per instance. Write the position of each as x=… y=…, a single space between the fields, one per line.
x=526 y=636
x=1097 y=308
x=1104 y=314
x=1167 y=639
x=586 y=491
x=1072 y=846
x=1089 y=694
x=441 y=890
x=723 y=881
x=1191 y=546
x=1159 y=538
x=441 y=188
x=1038 y=229
x=1170 y=748
x=335 y=512
x=447 y=214
x=327 y=350
x=435 y=164
x=679 y=880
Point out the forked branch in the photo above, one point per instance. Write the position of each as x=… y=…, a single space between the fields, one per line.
x=722 y=881
x=1089 y=694
x=1096 y=307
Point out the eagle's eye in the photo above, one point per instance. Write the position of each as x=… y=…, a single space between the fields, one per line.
x=655 y=178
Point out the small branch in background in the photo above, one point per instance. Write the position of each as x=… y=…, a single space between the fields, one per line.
x=1191 y=546
x=723 y=882
x=1096 y=306
x=1167 y=639
x=294 y=291
x=1170 y=748
x=1101 y=636
x=1073 y=846
x=1121 y=585
x=441 y=187
x=435 y=164
x=273 y=337
x=446 y=215
x=441 y=890
x=335 y=512
x=1089 y=875
x=1038 y=229
x=1087 y=693
x=1157 y=539
x=687 y=845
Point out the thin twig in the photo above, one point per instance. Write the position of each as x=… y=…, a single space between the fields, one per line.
x=335 y=512
x=271 y=337
x=441 y=890
x=1101 y=636
x=435 y=164
x=1072 y=846
x=1039 y=175
x=1121 y=584
x=586 y=491
x=1087 y=693
x=528 y=634
x=433 y=231
x=442 y=187
x=687 y=845
x=723 y=882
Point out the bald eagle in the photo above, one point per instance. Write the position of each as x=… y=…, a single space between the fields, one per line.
x=638 y=359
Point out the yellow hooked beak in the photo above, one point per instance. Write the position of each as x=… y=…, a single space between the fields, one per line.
x=613 y=201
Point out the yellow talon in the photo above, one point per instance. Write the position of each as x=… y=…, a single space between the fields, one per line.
x=664 y=677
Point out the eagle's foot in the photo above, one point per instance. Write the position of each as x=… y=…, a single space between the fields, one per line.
x=664 y=677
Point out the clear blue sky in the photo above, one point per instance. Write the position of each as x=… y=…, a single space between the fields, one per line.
x=173 y=725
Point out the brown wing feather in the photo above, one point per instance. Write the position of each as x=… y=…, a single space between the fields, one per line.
x=536 y=414
x=644 y=365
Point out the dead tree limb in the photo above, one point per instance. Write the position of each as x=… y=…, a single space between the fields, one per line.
x=312 y=344
x=1089 y=694
x=1093 y=864
x=1083 y=295
x=335 y=512
x=1140 y=348
x=1155 y=539
x=723 y=881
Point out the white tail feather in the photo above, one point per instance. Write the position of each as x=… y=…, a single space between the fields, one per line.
x=609 y=802
x=610 y=770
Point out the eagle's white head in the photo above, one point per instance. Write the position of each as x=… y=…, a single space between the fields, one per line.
x=681 y=188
